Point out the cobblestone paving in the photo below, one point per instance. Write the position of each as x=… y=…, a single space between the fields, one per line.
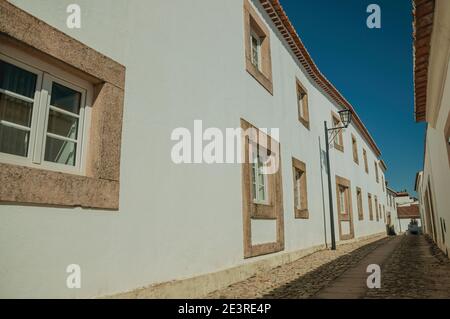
x=304 y=277
x=416 y=269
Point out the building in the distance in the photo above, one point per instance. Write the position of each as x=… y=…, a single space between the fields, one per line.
x=432 y=105
x=391 y=207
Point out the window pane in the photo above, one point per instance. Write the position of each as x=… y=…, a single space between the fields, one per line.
x=17 y=80
x=58 y=151
x=13 y=141
x=15 y=110
x=65 y=98
x=62 y=124
x=254 y=181
x=261 y=179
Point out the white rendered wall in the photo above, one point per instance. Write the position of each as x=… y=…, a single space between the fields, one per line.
x=184 y=61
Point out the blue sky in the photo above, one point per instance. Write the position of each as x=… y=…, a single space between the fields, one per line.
x=372 y=68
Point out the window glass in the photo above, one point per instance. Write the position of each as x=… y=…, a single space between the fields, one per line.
x=300 y=104
x=62 y=126
x=15 y=110
x=342 y=199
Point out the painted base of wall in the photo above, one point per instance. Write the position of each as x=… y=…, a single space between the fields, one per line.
x=199 y=286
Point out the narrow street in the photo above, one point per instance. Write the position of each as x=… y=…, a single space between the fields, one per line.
x=411 y=267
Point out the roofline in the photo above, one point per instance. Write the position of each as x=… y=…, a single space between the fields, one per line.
x=280 y=19
x=402 y=194
x=423 y=13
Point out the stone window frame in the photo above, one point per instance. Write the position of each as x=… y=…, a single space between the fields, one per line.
x=355 y=149
x=369 y=198
x=303 y=93
x=345 y=183
x=359 y=202
x=254 y=211
x=46 y=75
x=303 y=212
x=254 y=23
x=336 y=121
x=99 y=187
x=366 y=162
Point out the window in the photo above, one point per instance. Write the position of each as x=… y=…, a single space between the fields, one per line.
x=257 y=47
x=41 y=118
x=360 y=203
x=256 y=50
x=382 y=183
x=376 y=209
x=259 y=180
x=338 y=139
x=355 y=150
x=369 y=197
x=384 y=213
x=376 y=172
x=302 y=105
x=262 y=190
x=300 y=189
x=344 y=208
x=366 y=164
x=342 y=200
x=56 y=92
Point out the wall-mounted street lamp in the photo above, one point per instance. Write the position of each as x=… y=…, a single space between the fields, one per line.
x=346 y=118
